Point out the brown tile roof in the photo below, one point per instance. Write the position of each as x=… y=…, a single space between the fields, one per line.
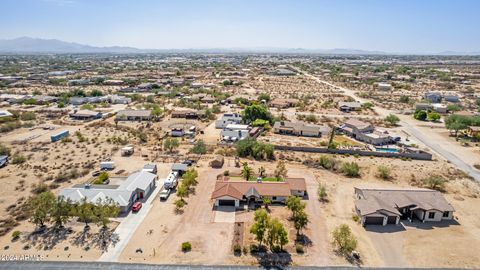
x=296 y=183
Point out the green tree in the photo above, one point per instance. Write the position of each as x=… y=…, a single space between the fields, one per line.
x=295 y=205
x=281 y=170
x=276 y=234
x=85 y=211
x=246 y=171
x=40 y=208
x=182 y=192
x=457 y=123
x=254 y=112
x=420 y=115
x=344 y=240
x=266 y=201
x=392 y=119
x=61 y=211
x=433 y=116
x=260 y=227
x=170 y=144
x=300 y=222
x=104 y=210
x=199 y=148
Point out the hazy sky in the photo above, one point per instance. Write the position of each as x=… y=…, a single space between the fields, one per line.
x=413 y=26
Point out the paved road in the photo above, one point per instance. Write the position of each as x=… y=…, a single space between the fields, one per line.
x=44 y=265
x=128 y=226
x=454 y=158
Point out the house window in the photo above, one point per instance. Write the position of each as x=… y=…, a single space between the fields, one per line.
x=431 y=215
x=446 y=213
x=274 y=198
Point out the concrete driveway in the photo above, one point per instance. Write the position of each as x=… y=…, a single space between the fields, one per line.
x=128 y=226
x=224 y=214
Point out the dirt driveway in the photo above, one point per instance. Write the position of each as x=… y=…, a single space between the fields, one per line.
x=165 y=230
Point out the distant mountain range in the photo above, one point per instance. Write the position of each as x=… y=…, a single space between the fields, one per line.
x=28 y=45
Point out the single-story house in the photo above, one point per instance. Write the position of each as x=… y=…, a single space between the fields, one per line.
x=349 y=106
x=423 y=106
x=283 y=103
x=377 y=206
x=440 y=108
x=299 y=129
x=451 y=98
x=177 y=132
x=234 y=132
x=136 y=186
x=134 y=115
x=85 y=115
x=188 y=114
x=234 y=192
x=180 y=168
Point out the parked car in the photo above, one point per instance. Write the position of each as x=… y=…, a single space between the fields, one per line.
x=136 y=206
x=189 y=162
x=164 y=193
x=96 y=173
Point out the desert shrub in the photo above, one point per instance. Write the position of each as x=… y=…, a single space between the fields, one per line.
x=18 y=159
x=186 y=246
x=322 y=193
x=355 y=218
x=199 y=148
x=436 y=182
x=299 y=249
x=237 y=249
x=327 y=162
x=16 y=235
x=384 y=172
x=351 y=169
x=4 y=151
x=39 y=188
x=343 y=239
x=28 y=116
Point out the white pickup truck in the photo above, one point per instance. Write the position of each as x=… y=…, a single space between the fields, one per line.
x=164 y=193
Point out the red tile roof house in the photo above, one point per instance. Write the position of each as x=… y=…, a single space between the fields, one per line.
x=235 y=192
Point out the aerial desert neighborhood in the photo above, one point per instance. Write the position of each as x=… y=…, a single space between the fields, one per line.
x=223 y=137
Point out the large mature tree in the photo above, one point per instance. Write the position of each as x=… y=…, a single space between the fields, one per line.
x=254 y=112
x=61 y=211
x=260 y=227
x=104 y=210
x=343 y=239
x=85 y=211
x=40 y=207
x=295 y=205
x=457 y=123
x=301 y=221
x=276 y=234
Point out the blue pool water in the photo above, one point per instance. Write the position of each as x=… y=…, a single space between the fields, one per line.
x=388 y=150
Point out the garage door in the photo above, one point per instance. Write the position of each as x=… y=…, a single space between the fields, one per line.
x=374 y=221
x=226 y=202
x=392 y=220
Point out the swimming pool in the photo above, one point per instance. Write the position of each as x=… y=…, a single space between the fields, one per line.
x=388 y=150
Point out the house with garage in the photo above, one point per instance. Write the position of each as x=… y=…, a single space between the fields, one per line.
x=136 y=186
x=378 y=206
x=235 y=193
x=300 y=129
x=283 y=103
